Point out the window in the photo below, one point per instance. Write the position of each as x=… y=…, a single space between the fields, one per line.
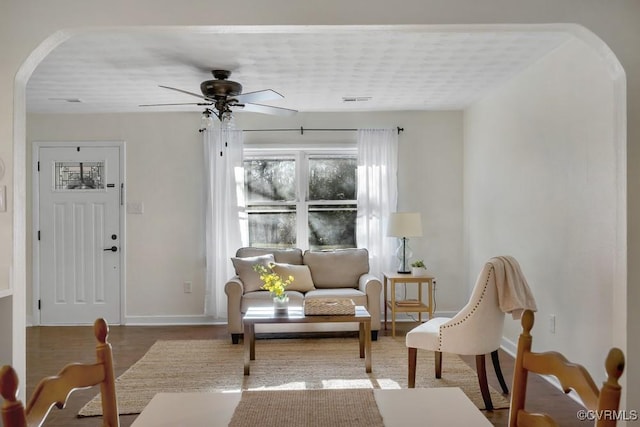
x=301 y=199
x=78 y=176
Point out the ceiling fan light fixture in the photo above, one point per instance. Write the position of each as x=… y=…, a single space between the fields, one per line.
x=227 y=120
x=220 y=89
x=206 y=121
x=223 y=95
x=71 y=100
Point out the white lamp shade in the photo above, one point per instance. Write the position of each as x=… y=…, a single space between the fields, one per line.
x=405 y=224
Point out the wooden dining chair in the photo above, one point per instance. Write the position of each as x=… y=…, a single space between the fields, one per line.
x=55 y=390
x=604 y=401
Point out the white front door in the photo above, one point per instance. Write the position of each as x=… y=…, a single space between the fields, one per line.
x=79 y=234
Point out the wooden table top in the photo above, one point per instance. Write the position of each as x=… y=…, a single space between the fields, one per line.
x=436 y=407
x=398 y=277
x=296 y=315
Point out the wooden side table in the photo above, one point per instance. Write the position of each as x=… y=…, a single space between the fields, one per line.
x=420 y=307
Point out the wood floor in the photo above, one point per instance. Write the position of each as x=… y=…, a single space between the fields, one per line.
x=50 y=348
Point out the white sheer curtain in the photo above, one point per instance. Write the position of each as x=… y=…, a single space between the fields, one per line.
x=377 y=194
x=224 y=185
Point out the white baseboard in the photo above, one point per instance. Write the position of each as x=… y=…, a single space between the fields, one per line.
x=157 y=321
x=173 y=320
x=509 y=347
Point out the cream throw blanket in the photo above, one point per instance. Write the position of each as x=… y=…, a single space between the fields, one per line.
x=514 y=295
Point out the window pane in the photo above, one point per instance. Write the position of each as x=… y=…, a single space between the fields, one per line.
x=79 y=175
x=332 y=227
x=332 y=178
x=272 y=227
x=270 y=180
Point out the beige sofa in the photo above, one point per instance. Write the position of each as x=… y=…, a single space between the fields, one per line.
x=342 y=273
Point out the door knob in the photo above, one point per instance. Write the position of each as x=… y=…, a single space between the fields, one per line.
x=112 y=249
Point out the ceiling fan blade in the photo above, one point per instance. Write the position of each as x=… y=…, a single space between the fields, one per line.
x=265 y=109
x=258 y=96
x=185 y=91
x=180 y=103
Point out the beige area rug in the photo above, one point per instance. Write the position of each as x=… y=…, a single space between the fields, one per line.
x=347 y=408
x=282 y=364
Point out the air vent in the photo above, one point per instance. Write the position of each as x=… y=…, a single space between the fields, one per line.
x=356 y=98
x=73 y=100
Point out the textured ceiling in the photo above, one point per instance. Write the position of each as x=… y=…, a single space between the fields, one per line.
x=314 y=68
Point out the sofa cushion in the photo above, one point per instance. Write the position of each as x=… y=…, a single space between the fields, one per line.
x=301 y=276
x=340 y=268
x=244 y=269
x=287 y=256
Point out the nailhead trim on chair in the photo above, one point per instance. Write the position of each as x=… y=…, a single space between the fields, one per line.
x=475 y=307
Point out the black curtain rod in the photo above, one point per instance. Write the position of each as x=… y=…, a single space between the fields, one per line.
x=302 y=129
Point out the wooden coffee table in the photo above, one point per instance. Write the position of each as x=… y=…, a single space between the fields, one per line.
x=265 y=315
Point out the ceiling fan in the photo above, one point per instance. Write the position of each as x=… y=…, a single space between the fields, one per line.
x=223 y=95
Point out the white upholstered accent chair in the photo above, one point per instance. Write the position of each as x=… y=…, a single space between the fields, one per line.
x=475 y=330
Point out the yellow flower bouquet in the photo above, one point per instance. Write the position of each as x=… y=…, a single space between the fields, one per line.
x=272 y=282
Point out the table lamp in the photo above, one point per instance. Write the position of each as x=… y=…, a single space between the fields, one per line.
x=404 y=225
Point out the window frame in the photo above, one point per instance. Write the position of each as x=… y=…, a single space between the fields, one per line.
x=301 y=156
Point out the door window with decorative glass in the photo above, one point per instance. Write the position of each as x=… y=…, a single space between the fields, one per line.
x=301 y=199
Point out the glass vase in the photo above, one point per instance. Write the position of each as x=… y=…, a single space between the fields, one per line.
x=281 y=305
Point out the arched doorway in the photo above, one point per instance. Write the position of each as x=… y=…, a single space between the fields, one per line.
x=20 y=190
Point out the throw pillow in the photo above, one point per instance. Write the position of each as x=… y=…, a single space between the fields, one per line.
x=244 y=269
x=302 y=281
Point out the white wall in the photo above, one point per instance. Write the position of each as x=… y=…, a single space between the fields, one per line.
x=540 y=184
x=165 y=244
x=164 y=172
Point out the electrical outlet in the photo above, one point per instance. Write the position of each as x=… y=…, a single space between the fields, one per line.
x=187 y=287
x=552 y=323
